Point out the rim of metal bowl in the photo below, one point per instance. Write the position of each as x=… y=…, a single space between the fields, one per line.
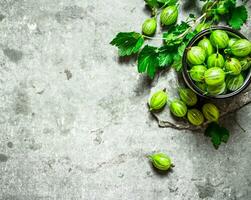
x=187 y=77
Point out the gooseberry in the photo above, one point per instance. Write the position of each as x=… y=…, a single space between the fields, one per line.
x=196 y=55
x=219 y=39
x=202 y=26
x=149 y=26
x=197 y=72
x=231 y=41
x=188 y=96
x=195 y=117
x=221 y=9
x=245 y=63
x=210 y=112
x=169 y=15
x=240 y=48
x=215 y=60
x=234 y=82
x=201 y=85
x=161 y=161
x=216 y=90
x=207 y=46
x=178 y=108
x=158 y=100
x=233 y=66
x=214 y=76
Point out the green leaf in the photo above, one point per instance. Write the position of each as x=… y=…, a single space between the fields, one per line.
x=224 y=134
x=148 y=60
x=229 y=4
x=177 y=57
x=215 y=139
x=190 y=35
x=217 y=133
x=178 y=29
x=128 y=43
x=168 y=2
x=172 y=37
x=212 y=127
x=181 y=49
x=152 y=3
x=177 y=64
x=239 y=16
x=166 y=54
x=165 y=59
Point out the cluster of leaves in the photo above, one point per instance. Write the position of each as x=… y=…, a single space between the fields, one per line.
x=228 y=10
x=151 y=59
x=217 y=134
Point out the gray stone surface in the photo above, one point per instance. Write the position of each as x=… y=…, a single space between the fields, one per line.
x=73 y=119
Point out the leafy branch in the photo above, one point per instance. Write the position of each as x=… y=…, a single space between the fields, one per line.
x=178 y=35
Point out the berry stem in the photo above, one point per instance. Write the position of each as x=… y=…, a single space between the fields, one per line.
x=196 y=22
x=149 y=156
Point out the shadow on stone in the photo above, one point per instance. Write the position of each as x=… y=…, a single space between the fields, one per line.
x=143 y=86
x=147 y=10
x=160 y=173
x=191 y=5
x=127 y=59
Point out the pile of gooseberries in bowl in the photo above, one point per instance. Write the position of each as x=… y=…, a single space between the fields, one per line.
x=216 y=63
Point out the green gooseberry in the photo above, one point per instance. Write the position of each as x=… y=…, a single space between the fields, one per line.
x=233 y=66
x=196 y=55
x=234 y=82
x=201 y=85
x=221 y=9
x=188 y=96
x=195 y=117
x=216 y=90
x=207 y=46
x=231 y=41
x=149 y=26
x=240 y=48
x=161 y=161
x=214 y=76
x=197 y=72
x=245 y=63
x=210 y=112
x=169 y=15
x=215 y=60
x=158 y=100
x=219 y=39
x=178 y=108
x=202 y=26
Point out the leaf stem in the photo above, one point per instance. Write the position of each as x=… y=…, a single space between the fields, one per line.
x=198 y=20
x=195 y=23
x=153 y=38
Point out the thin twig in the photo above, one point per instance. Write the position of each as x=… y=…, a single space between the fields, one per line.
x=195 y=22
x=238 y=124
x=153 y=38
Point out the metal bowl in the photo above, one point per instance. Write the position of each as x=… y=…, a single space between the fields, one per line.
x=186 y=75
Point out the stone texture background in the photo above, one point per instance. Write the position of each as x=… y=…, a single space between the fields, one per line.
x=73 y=117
